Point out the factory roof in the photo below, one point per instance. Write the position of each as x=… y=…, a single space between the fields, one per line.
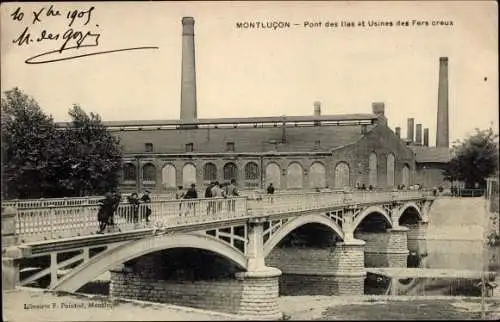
x=247 y=120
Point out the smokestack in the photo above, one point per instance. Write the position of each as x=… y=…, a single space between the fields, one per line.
x=442 y=134
x=409 y=130
x=317 y=111
x=188 y=81
x=398 y=131
x=317 y=108
x=418 y=134
x=426 y=137
x=378 y=108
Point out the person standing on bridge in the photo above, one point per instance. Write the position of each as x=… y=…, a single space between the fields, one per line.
x=105 y=211
x=133 y=199
x=232 y=191
x=191 y=193
x=146 y=199
x=208 y=195
x=117 y=197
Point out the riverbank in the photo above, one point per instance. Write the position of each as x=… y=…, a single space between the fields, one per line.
x=387 y=308
x=26 y=304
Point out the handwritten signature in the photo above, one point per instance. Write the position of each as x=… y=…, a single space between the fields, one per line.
x=72 y=40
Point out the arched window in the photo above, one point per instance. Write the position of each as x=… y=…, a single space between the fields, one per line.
x=230 y=171
x=342 y=174
x=390 y=170
x=405 y=176
x=209 y=172
x=149 y=173
x=188 y=175
x=372 y=174
x=294 y=176
x=129 y=172
x=252 y=174
x=273 y=175
x=317 y=175
x=168 y=177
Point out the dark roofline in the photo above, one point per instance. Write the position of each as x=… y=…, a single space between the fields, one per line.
x=246 y=120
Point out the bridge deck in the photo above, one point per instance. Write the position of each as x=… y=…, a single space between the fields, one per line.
x=396 y=272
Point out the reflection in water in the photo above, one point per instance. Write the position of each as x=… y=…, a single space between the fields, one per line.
x=454 y=255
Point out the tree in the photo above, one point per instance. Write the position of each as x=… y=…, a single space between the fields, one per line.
x=41 y=159
x=474 y=159
x=95 y=155
x=27 y=137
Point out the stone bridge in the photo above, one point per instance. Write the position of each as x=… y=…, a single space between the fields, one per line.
x=255 y=239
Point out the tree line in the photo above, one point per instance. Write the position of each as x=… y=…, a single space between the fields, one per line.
x=43 y=160
x=474 y=159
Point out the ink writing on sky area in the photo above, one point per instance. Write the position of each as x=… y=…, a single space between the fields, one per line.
x=79 y=31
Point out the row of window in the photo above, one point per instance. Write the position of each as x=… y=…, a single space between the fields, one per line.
x=252 y=175
x=273 y=173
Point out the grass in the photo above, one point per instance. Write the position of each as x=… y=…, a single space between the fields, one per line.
x=408 y=310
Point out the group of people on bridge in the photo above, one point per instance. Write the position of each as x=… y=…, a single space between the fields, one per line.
x=108 y=207
x=214 y=190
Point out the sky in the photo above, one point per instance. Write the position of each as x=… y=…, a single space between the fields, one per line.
x=261 y=72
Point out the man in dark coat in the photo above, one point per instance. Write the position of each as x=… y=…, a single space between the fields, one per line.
x=147 y=200
x=106 y=207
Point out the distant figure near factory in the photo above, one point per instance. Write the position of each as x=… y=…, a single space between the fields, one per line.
x=293 y=152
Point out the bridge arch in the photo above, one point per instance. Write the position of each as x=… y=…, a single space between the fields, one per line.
x=298 y=222
x=368 y=211
x=108 y=259
x=409 y=206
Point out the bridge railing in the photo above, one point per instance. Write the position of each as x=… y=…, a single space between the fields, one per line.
x=79 y=220
x=69 y=221
x=73 y=201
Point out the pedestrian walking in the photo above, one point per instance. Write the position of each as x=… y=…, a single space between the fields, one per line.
x=146 y=199
x=117 y=197
x=191 y=193
x=270 y=191
x=208 y=195
x=133 y=199
x=232 y=191
x=104 y=212
x=179 y=195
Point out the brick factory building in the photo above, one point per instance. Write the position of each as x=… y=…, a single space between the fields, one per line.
x=293 y=152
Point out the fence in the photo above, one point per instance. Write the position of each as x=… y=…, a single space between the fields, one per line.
x=51 y=222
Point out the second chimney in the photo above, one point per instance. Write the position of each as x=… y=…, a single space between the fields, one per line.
x=442 y=129
x=409 y=130
x=398 y=131
x=317 y=108
x=188 y=76
x=317 y=112
x=418 y=134
x=426 y=137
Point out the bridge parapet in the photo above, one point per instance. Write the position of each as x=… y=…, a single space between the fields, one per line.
x=53 y=222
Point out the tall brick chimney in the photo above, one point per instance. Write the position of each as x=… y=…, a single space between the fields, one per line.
x=188 y=81
x=418 y=134
x=317 y=108
x=317 y=112
x=426 y=137
x=409 y=130
x=442 y=132
x=398 y=131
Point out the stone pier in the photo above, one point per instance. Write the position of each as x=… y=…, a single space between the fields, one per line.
x=338 y=270
x=417 y=238
x=10 y=263
x=385 y=249
x=250 y=294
